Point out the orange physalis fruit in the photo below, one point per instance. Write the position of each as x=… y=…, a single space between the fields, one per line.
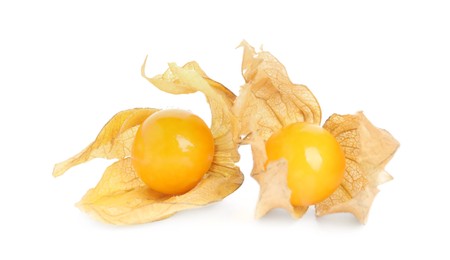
x=172 y=151
x=316 y=162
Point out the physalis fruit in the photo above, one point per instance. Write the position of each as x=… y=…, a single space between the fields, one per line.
x=172 y=150
x=316 y=162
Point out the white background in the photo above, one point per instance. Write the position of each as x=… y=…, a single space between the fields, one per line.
x=66 y=68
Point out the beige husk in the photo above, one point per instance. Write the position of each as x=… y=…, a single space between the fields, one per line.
x=113 y=142
x=121 y=197
x=269 y=101
x=367 y=150
x=274 y=192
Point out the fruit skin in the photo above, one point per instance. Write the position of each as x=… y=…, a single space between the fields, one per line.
x=172 y=151
x=316 y=162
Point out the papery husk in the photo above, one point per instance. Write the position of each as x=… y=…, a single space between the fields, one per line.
x=274 y=191
x=268 y=100
x=367 y=150
x=122 y=198
x=113 y=142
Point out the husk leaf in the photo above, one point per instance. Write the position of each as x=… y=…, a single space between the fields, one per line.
x=113 y=142
x=269 y=100
x=273 y=192
x=367 y=150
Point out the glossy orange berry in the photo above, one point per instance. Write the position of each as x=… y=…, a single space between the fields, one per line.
x=316 y=162
x=172 y=151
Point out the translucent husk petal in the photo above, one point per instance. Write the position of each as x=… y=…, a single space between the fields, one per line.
x=367 y=150
x=113 y=142
x=273 y=192
x=269 y=100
